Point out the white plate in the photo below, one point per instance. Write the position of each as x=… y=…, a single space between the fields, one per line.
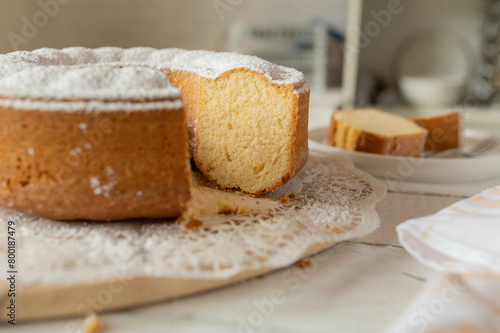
x=416 y=169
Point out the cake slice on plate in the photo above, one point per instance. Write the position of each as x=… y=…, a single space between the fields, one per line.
x=375 y=131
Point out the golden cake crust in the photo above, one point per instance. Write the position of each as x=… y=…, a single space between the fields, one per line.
x=85 y=165
x=446 y=131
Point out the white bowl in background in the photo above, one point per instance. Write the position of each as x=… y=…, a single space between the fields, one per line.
x=433 y=68
x=431 y=90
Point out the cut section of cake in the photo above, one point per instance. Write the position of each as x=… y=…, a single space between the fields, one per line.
x=246 y=117
x=446 y=131
x=375 y=131
x=246 y=132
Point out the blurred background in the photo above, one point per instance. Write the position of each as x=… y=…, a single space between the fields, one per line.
x=192 y=24
x=398 y=54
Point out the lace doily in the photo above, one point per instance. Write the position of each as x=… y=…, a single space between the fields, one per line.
x=332 y=202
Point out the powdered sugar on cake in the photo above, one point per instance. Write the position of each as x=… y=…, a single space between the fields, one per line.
x=91 y=106
x=80 y=75
x=91 y=82
x=104 y=189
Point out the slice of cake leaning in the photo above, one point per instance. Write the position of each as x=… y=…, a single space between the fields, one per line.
x=446 y=131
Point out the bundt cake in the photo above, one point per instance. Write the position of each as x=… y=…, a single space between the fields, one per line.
x=375 y=131
x=101 y=134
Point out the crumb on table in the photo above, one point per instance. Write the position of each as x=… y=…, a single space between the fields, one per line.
x=227 y=207
x=285 y=199
x=93 y=324
x=193 y=224
x=303 y=264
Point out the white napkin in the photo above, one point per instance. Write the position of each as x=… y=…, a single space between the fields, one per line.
x=462 y=242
